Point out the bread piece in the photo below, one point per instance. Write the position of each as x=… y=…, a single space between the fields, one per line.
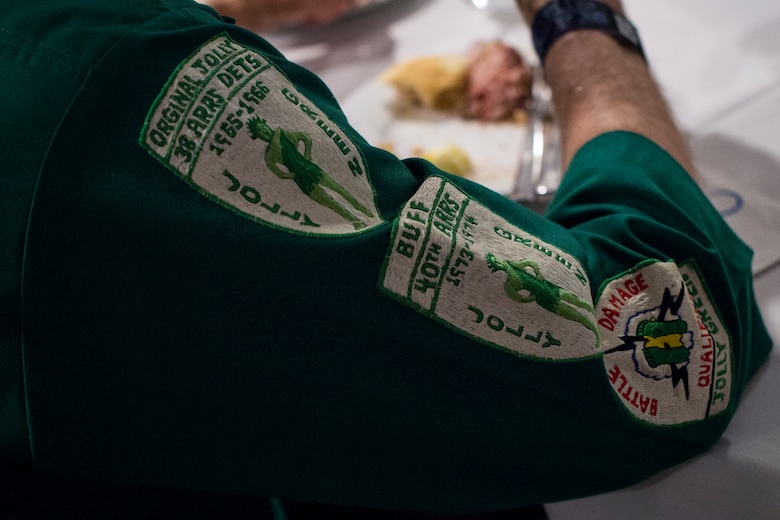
x=437 y=82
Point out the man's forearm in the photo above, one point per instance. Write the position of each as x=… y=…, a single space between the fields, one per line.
x=600 y=86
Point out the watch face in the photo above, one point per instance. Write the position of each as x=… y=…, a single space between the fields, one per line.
x=626 y=29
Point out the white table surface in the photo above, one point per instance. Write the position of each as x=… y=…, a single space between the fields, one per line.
x=718 y=62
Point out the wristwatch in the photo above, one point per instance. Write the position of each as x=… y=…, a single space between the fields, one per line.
x=561 y=16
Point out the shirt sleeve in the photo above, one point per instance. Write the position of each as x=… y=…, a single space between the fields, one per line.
x=228 y=289
x=628 y=200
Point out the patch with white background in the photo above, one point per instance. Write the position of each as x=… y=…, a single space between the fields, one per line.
x=666 y=351
x=233 y=126
x=454 y=260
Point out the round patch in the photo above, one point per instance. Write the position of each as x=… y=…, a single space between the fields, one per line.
x=666 y=352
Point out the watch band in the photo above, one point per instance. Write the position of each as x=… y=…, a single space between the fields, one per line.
x=561 y=16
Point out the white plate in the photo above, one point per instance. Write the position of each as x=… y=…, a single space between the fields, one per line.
x=493 y=148
x=359 y=9
x=366 y=4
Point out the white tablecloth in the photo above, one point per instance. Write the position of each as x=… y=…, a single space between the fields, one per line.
x=718 y=62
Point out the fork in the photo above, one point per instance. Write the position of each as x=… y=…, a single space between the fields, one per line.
x=539 y=165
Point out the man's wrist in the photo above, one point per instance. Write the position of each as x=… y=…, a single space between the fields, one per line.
x=529 y=8
x=557 y=18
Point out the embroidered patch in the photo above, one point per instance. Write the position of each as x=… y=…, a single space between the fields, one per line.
x=456 y=261
x=666 y=351
x=232 y=125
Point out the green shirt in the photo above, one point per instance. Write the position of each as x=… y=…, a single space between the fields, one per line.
x=172 y=313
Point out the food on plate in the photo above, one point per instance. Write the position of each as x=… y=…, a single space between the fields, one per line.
x=490 y=83
x=499 y=82
x=437 y=82
x=450 y=157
